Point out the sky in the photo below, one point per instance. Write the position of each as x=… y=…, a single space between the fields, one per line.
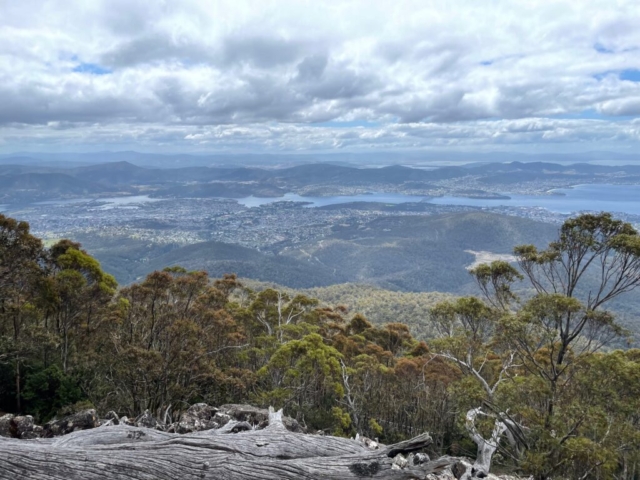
x=319 y=76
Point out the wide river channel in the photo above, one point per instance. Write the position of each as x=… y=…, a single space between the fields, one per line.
x=610 y=198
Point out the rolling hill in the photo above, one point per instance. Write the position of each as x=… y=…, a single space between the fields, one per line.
x=29 y=187
x=204 y=181
x=218 y=258
x=420 y=253
x=388 y=268
x=411 y=253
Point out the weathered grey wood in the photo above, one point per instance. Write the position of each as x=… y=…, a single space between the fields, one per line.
x=260 y=443
x=486 y=448
x=133 y=453
x=169 y=462
x=30 y=460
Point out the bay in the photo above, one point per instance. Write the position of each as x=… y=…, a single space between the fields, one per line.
x=602 y=197
x=124 y=200
x=394 y=198
x=608 y=198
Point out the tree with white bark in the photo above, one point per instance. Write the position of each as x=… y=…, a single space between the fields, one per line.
x=538 y=350
x=467 y=327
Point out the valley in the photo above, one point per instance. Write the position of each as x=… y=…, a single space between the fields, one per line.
x=308 y=225
x=397 y=230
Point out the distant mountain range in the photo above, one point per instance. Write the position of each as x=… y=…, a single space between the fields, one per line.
x=172 y=160
x=24 y=182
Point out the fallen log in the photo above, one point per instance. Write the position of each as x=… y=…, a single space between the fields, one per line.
x=137 y=453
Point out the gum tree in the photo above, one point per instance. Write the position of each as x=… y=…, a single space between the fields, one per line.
x=594 y=260
x=21 y=274
x=467 y=329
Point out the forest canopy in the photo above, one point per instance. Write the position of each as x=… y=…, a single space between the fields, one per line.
x=526 y=383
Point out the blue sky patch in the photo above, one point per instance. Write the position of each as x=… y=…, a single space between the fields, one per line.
x=592 y=114
x=92 y=69
x=630 y=74
x=598 y=47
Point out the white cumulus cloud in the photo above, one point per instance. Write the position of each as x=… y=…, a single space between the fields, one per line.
x=306 y=75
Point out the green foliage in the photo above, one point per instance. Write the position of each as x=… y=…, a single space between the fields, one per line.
x=48 y=390
x=538 y=359
x=375 y=427
x=377 y=305
x=495 y=282
x=343 y=422
x=69 y=339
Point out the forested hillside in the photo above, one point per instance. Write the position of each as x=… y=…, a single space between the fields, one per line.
x=411 y=253
x=378 y=305
x=524 y=383
x=413 y=309
x=418 y=253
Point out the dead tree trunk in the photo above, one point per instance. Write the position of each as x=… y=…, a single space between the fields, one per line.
x=486 y=448
x=131 y=453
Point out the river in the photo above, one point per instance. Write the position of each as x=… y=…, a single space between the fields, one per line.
x=610 y=198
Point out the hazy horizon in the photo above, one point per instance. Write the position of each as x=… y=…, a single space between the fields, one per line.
x=414 y=158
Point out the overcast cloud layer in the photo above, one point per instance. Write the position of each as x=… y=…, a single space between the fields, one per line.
x=319 y=75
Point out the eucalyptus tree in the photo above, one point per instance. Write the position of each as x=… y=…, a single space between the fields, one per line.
x=79 y=292
x=563 y=322
x=170 y=339
x=468 y=329
x=526 y=354
x=21 y=275
x=594 y=260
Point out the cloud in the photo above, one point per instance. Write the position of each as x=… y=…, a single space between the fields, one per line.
x=621 y=107
x=155 y=47
x=311 y=68
x=474 y=135
x=261 y=51
x=266 y=73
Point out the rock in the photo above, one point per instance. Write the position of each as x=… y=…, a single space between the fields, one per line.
x=241 y=427
x=459 y=468
x=399 y=462
x=255 y=416
x=83 y=420
x=111 y=418
x=198 y=417
x=5 y=425
x=370 y=444
x=221 y=419
x=23 y=427
x=147 y=420
x=127 y=421
x=419 y=458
